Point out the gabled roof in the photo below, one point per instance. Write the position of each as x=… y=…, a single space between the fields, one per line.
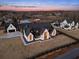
x=36 y=32
x=69 y=20
x=37 y=28
x=37 y=25
x=15 y=25
x=27 y=31
x=11 y=26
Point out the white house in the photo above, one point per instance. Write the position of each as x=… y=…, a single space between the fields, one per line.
x=39 y=31
x=11 y=28
x=77 y=26
x=67 y=24
x=62 y=24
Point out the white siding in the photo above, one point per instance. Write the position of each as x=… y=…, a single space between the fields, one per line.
x=11 y=27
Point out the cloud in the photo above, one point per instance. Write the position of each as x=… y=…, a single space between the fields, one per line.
x=39 y=5
x=41 y=8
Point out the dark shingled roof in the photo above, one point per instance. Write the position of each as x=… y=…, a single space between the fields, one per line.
x=27 y=31
x=37 y=28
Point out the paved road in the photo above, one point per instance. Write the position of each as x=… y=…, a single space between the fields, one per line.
x=70 y=55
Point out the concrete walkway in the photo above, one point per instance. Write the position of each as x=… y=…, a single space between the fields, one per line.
x=11 y=35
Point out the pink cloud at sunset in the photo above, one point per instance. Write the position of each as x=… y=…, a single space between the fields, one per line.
x=39 y=8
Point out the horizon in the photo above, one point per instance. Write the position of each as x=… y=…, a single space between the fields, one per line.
x=38 y=5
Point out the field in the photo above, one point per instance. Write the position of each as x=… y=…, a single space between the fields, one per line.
x=53 y=54
x=15 y=49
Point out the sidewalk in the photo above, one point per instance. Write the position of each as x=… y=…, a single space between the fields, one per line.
x=11 y=35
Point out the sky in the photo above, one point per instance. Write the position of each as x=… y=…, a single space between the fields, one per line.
x=39 y=2
x=43 y=3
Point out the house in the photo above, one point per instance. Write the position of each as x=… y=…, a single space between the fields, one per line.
x=56 y=24
x=68 y=24
x=63 y=23
x=39 y=31
x=77 y=25
x=11 y=27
